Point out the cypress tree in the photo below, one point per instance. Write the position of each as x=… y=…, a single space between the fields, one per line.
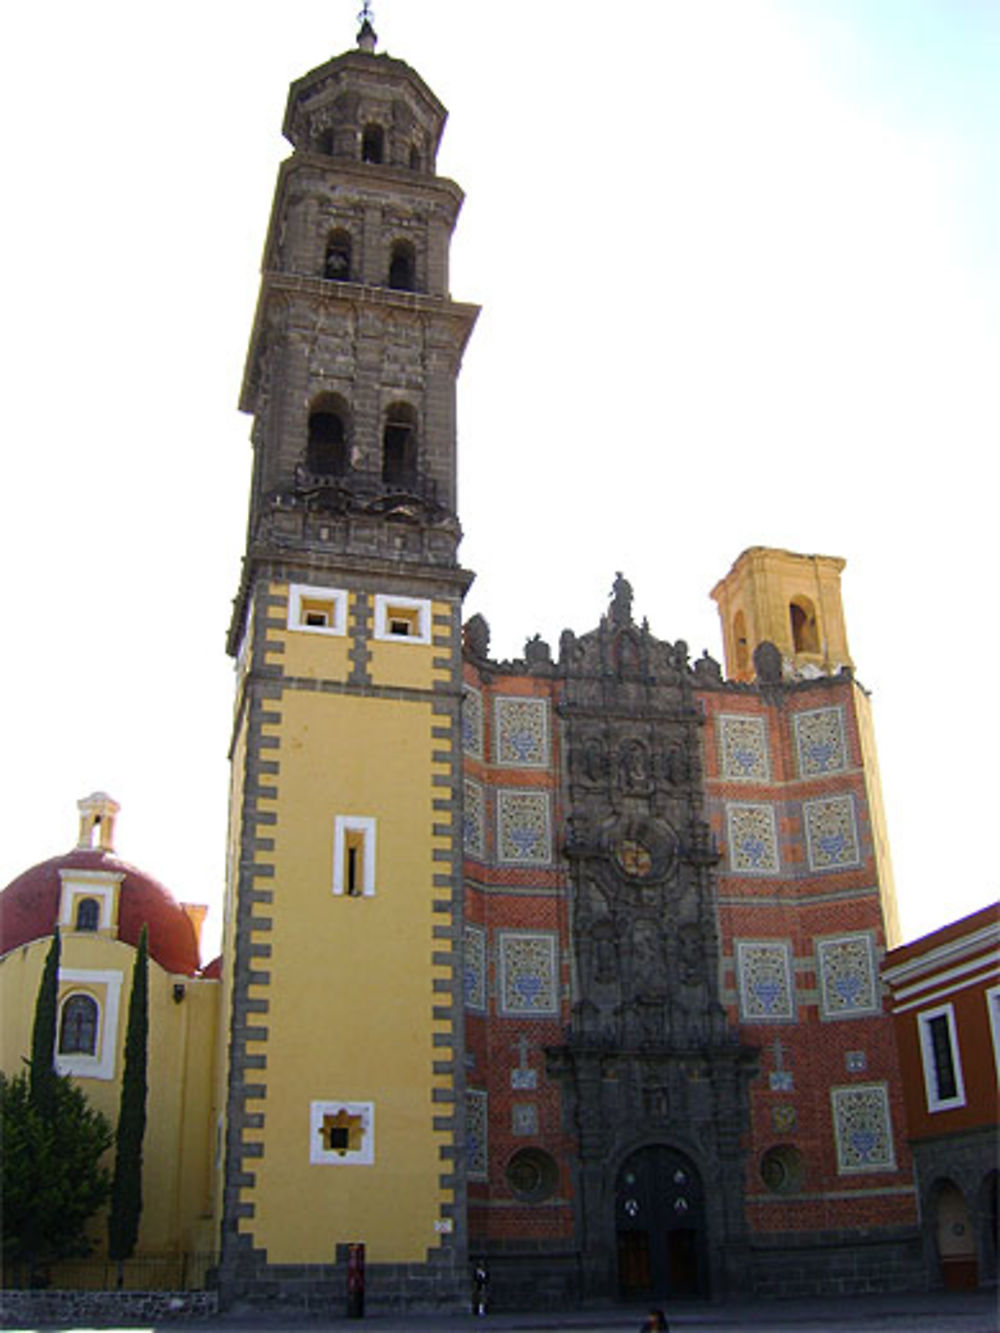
x=43 y=1033
x=126 y=1185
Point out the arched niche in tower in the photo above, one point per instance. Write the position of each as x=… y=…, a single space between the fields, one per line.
x=373 y=143
x=402 y=266
x=337 y=257
x=805 y=634
x=327 y=448
x=399 y=445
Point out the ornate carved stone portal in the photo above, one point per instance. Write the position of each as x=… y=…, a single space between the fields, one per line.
x=648 y=1061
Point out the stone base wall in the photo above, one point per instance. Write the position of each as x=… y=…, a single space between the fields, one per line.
x=321 y=1289
x=837 y=1263
x=73 y=1309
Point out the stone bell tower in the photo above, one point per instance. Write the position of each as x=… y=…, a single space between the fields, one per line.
x=344 y=896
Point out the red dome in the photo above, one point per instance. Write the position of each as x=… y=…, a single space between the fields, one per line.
x=29 y=908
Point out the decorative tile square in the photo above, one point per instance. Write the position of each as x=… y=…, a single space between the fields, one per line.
x=743 y=749
x=524 y=1118
x=475 y=968
x=764 y=972
x=855 y=1062
x=831 y=833
x=524 y=828
x=752 y=838
x=819 y=741
x=477 y=1161
x=474 y=820
x=846 y=967
x=521 y=732
x=528 y=973
x=472 y=723
x=863 y=1129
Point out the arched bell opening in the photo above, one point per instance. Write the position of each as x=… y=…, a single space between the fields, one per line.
x=327 y=450
x=805 y=633
x=399 y=446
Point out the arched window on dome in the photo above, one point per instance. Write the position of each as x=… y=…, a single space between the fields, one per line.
x=78 y=1026
x=88 y=914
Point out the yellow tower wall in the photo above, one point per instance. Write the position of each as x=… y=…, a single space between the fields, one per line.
x=347 y=987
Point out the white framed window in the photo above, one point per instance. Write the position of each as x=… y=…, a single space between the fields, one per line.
x=402 y=619
x=94 y=886
x=87 y=1035
x=939 y=1053
x=341 y=1133
x=314 y=610
x=993 y=1009
x=354 y=856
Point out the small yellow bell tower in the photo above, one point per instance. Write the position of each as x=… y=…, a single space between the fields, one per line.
x=790 y=600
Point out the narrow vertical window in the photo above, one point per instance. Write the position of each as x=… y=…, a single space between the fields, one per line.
x=327 y=447
x=940 y=1054
x=354 y=856
x=802 y=615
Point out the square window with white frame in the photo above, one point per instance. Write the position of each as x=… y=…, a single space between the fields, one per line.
x=402 y=619
x=313 y=610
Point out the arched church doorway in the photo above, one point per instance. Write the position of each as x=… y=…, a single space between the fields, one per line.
x=660 y=1225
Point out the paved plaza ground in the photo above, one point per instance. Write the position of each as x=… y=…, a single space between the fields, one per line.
x=973 y=1312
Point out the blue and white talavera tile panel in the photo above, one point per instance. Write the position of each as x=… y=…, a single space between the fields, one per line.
x=831 y=833
x=472 y=723
x=520 y=732
x=474 y=820
x=752 y=837
x=764 y=973
x=476 y=1145
x=475 y=968
x=524 y=828
x=528 y=973
x=846 y=967
x=863 y=1128
x=819 y=741
x=743 y=749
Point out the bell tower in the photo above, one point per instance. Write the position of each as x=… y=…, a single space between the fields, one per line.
x=343 y=915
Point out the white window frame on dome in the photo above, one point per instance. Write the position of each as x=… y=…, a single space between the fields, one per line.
x=305 y=600
x=105 y=989
x=98 y=884
x=402 y=619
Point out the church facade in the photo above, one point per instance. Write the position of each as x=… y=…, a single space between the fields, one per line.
x=570 y=964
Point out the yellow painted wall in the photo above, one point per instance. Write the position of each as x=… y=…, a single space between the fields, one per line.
x=182 y=1039
x=351 y=979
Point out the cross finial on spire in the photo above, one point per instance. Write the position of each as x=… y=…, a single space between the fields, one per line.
x=367 y=36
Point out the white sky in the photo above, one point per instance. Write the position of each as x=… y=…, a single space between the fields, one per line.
x=738 y=263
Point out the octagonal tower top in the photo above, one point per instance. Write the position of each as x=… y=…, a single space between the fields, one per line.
x=364 y=107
